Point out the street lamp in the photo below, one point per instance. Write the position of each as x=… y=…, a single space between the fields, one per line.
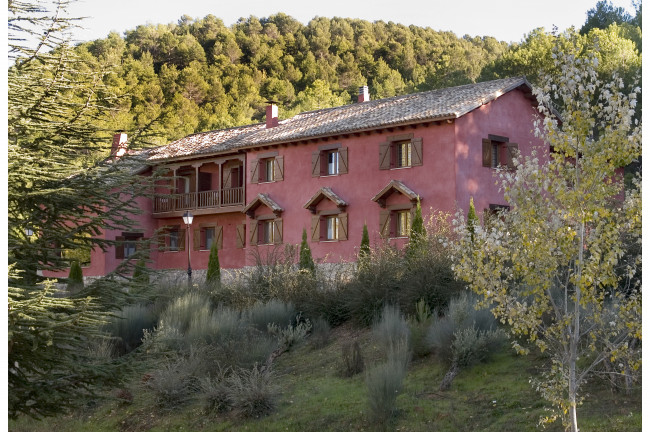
x=187 y=218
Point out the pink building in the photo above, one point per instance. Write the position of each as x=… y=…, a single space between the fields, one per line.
x=328 y=172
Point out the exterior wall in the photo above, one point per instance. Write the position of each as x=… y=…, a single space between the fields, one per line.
x=511 y=115
x=433 y=182
x=451 y=173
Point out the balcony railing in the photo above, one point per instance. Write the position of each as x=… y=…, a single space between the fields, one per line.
x=198 y=200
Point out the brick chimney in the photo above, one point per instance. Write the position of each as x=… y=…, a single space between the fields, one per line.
x=364 y=96
x=118 y=149
x=271 y=114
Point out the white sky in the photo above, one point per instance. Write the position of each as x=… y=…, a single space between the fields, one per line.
x=506 y=20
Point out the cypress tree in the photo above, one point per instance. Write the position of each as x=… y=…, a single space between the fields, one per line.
x=76 y=277
x=472 y=219
x=306 y=261
x=364 y=248
x=417 y=234
x=213 y=276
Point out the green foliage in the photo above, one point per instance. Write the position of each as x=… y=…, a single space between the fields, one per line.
x=261 y=314
x=129 y=325
x=551 y=265
x=394 y=277
x=252 y=393
x=75 y=277
x=352 y=358
x=472 y=219
x=603 y=15
x=213 y=276
x=306 y=262
x=392 y=329
x=385 y=382
x=417 y=235
x=60 y=187
x=364 y=247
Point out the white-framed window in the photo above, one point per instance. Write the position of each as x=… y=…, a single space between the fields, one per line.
x=209 y=237
x=267 y=232
x=332 y=228
x=402 y=220
x=332 y=162
x=268 y=170
x=174 y=240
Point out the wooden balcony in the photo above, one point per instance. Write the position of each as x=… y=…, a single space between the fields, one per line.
x=214 y=201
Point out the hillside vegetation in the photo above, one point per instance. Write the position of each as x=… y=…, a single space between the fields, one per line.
x=198 y=74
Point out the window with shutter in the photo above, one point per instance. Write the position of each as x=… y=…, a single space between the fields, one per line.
x=127 y=244
x=401 y=151
x=330 y=160
x=497 y=152
x=241 y=236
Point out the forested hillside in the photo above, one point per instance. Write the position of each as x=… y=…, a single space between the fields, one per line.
x=199 y=74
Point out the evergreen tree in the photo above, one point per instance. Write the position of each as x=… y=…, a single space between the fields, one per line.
x=306 y=261
x=213 y=276
x=417 y=234
x=76 y=277
x=472 y=219
x=58 y=190
x=364 y=248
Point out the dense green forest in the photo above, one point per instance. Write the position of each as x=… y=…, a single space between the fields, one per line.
x=198 y=74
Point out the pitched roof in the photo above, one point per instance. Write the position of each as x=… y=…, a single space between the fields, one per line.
x=448 y=103
x=322 y=193
x=394 y=186
x=262 y=199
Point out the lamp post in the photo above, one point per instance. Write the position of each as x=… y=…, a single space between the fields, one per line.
x=187 y=218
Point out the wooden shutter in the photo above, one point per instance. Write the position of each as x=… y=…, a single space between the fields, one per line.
x=252 y=228
x=343 y=160
x=487 y=153
x=416 y=152
x=218 y=233
x=277 y=231
x=255 y=174
x=199 y=235
x=343 y=226
x=315 y=228
x=384 y=223
x=181 y=239
x=162 y=240
x=315 y=164
x=279 y=168
x=241 y=236
x=119 y=247
x=384 y=156
x=511 y=152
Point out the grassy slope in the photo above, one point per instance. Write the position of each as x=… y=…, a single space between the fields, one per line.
x=315 y=397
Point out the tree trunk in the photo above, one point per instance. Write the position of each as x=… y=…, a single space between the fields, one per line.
x=449 y=377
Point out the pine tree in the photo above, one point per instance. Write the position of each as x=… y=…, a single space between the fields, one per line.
x=213 y=276
x=364 y=248
x=60 y=188
x=306 y=261
x=472 y=219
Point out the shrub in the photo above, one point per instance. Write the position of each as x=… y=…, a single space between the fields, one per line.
x=392 y=329
x=418 y=326
x=251 y=392
x=175 y=382
x=75 y=278
x=464 y=336
x=180 y=312
x=290 y=335
x=320 y=333
x=260 y=315
x=213 y=275
x=214 y=391
x=129 y=325
x=384 y=383
x=352 y=358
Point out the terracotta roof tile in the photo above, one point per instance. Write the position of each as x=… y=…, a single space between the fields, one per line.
x=448 y=103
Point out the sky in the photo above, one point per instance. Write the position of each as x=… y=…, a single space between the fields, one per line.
x=506 y=20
